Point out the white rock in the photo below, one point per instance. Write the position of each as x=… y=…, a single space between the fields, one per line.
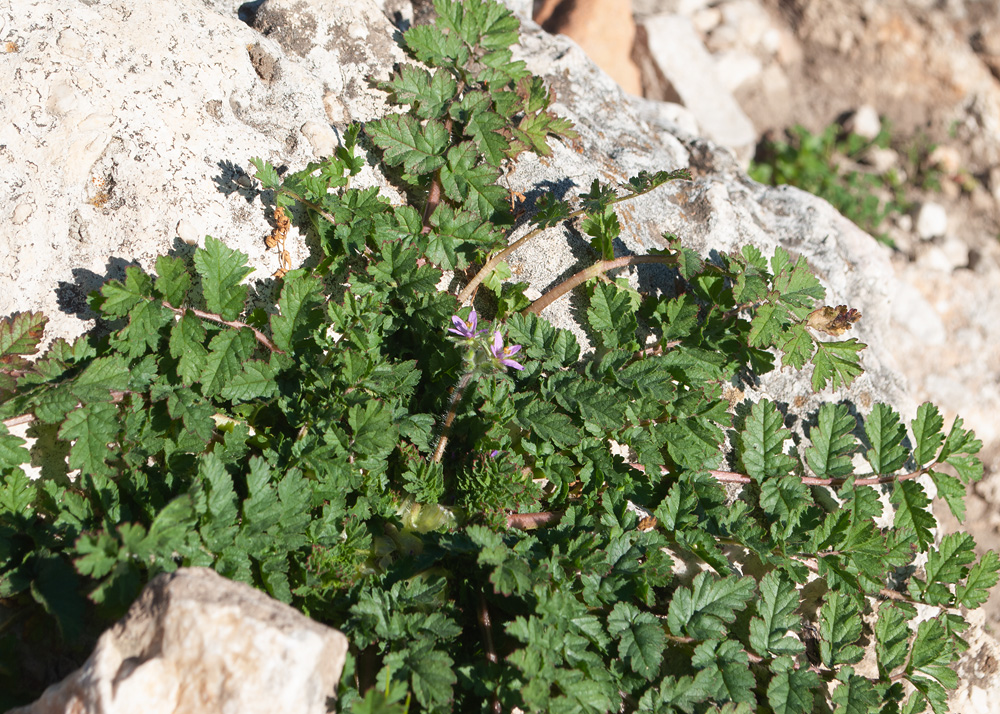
x=197 y=643
x=680 y=57
x=736 y=68
x=864 y=122
x=932 y=221
x=946 y=158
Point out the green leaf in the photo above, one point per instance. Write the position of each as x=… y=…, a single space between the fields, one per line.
x=947 y=563
x=855 y=695
x=419 y=148
x=120 y=298
x=256 y=380
x=829 y=456
x=640 y=636
x=612 y=314
x=484 y=126
x=266 y=174
x=473 y=184
x=767 y=324
x=546 y=423
x=186 y=346
x=227 y=352
x=12 y=451
x=795 y=283
x=776 y=616
x=195 y=414
x=892 y=636
x=729 y=664
x=791 y=691
x=429 y=93
x=299 y=307
x=222 y=271
x=374 y=432
x=927 y=433
x=174 y=280
x=886 y=434
x=489 y=25
x=839 y=628
x=836 y=363
x=20 y=334
x=603 y=227
x=982 y=577
x=911 y=511
x=93 y=427
x=762 y=443
x=797 y=346
x=431 y=674
x=703 y=610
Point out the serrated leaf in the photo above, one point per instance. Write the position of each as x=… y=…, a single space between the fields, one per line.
x=791 y=691
x=195 y=414
x=839 y=627
x=255 y=381
x=266 y=173
x=703 y=610
x=120 y=298
x=222 y=271
x=483 y=127
x=829 y=456
x=776 y=616
x=226 y=353
x=173 y=279
x=186 y=346
x=730 y=665
x=855 y=695
x=142 y=333
x=927 y=433
x=611 y=314
x=430 y=93
x=419 y=148
x=547 y=423
x=982 y=577
x=836 y=363
x=640 y=636
x=12 y=451
x=767 y=324
x=91 y=428
x=20 y=334
x=299 y=308
x=473 y=184
x=101 y=377
x=797 y=286
x=946 y=563
x=885 y=434
x=762 y=443
x=911 y=511
x=489 y=25
x=892 y=635
x=797 y=346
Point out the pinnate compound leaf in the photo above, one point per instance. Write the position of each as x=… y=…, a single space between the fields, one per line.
x=982 y=577
x=776 y=616
x=927 y=433
x=836 y=363
x=473 y=185
x=892 y=636
x=222 y=271
x=797 y=346
x=762 y=443
x=911 y=504
x=430 y=93
x=640 y=638
x=839 y=628
x=487 y=24
x=767 y=324
x=703 y=609
x=829 y=456
x=91 y=428
x=420 y=149
x=12 y=451
x=885 y=434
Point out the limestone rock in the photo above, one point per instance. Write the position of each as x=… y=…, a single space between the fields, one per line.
x=677 y=67
x=195 y=642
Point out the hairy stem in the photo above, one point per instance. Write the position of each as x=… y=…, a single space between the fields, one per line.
x=593 y=271
x=456 y=397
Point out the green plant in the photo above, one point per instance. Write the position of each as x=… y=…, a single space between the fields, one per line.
x=816 y=163
x=448 y=490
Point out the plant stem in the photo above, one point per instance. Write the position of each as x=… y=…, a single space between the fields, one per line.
x=456 y=397
x=593 y=271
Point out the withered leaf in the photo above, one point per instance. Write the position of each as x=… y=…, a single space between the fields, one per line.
x=833 y=320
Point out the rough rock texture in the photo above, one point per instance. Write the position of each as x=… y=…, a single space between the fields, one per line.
x=135 y=138
x=196 y=642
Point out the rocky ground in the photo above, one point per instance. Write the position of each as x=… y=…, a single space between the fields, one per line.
x=931 y=69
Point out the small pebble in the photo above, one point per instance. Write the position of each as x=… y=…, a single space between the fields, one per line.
x=864 y=122
x=932 y=221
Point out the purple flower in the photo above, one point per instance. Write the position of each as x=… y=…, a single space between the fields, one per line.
x=465 y=328
x=502 y=354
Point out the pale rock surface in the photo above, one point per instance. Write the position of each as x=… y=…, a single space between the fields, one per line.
x=864 y=121
x=674 y=60
x=197 y=643
x=932 y=220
